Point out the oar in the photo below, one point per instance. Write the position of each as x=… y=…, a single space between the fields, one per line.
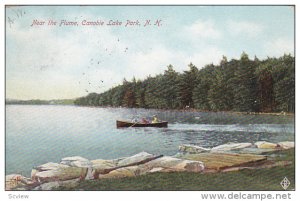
x=133 y=124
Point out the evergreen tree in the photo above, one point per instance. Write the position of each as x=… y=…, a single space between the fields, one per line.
x=140 y=94
x=117 y=96
x=245 y=85
x=170 y=88
x=265 y=88
x=129 y=99
x=215 y=93
x=203 y=84
x=187 y=83
x=284 y=86
x=227 y=83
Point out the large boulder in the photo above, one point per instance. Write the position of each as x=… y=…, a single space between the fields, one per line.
x=76 y=161
x=286 y=145
x=217 y=161
x=192 y=148
x=267 y=164
x=138 y=158
x=119 y=167
x=50 y=166
x=47 y=167
x=174 y=165
x=100 y=166
x=256 y=151
x=14 y=181
x=18 y=182
x=57 y=172
x=266 y=145
x=131 y=171
x=230 y=147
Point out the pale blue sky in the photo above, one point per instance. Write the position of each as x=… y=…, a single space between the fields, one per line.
x=66 y=62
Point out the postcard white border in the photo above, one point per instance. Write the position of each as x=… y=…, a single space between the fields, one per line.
x=132 y=195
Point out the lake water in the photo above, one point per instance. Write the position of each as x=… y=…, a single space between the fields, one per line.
x=38 y=134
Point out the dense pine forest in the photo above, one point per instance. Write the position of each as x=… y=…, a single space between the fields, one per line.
x=237 y=85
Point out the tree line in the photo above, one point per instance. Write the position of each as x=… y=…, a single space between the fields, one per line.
x=237 y=85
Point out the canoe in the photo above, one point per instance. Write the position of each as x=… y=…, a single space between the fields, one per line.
x=121 y=124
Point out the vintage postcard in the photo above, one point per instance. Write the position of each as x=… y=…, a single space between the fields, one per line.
x=150 y=98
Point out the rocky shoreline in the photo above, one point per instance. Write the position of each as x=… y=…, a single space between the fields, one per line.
x=191 y=158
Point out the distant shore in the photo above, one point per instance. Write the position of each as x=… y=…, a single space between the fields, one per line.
x=71 y=103
x=40 y=102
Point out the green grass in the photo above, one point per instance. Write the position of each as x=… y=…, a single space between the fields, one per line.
x=260 y=179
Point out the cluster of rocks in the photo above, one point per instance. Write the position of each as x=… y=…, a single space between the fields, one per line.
x=236 y=156
x=71 y=170
x=260 y=147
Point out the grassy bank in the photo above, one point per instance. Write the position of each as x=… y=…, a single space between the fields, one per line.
x=259 y=179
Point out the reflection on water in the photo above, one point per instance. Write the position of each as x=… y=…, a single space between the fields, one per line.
x=39 y=134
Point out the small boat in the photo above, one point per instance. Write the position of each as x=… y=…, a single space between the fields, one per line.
x=127 y=124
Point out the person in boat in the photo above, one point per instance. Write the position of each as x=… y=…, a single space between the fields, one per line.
x=144 y=121
x=155 y=119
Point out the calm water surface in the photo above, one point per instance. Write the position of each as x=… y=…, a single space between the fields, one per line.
x=39 y=134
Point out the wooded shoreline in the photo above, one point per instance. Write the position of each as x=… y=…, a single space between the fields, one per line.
x=175 y=110
x=243 y=85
